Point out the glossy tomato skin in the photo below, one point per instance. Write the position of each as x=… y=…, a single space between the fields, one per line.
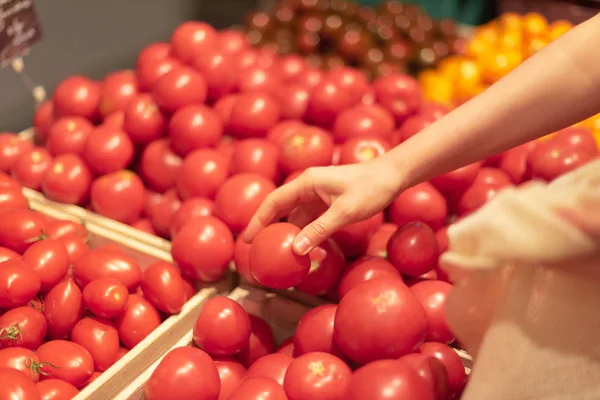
x=379 y=240
x=8 y=254
x=193 y=127
x=50 y=261
x=152 y=52
x=202 y=172
x=410 y=127
x=514 y=162
x=55 y=389
x=105 y=297
x=552 y=159
x=192 y=38
x=455 y=369
x=143 y=121
x=365 y=269
x=163 y=286
x=100 y=263
x=178 y=88
x=30 y=168
x=190 y=208
x=271 y=366
x=208 y=236
x=108 y=150
x=43 y=119
x=68 y=180
x=399 y=93
x=159 y=165
x=231 y=374
x=239 y=197
x=19 y=284
x=119 y=195
x=327 y=263
x=354 y=238
x=222 y=328
x=413 y=249
x=16 y=385
x=261 y=343
x=458 y=180
x=256 y=156
x=23 y=327
x=272 y=261
x=12 y=199
x=319 y=319
x=282 y=130
x=19 y=227
x=317 y=376
x=293 y=100
x=388 y=379
x=363 y=120
x=186 y=373
x=98 y=337
x=326 y=101
x=76 y=247
x=577 y=138
x=150 y=72
x=431 y=370
x=433 y=294
x=21 y=359
x=307 y=147
x=63 y=307
x=257 y=78
x=362 y=149
x=422 y=202
x=286 y=347
x=218 y=67
x=163 y=212
x=253 y=114
x=118 y=89
x=6 y=182
x=259 y=388
x=11 y=148
x=138 y=320
x=66 y=360
x=77 y=95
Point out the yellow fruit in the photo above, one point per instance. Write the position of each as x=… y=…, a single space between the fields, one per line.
x=511 y=20
x=535 y=24
x=512 y=39
x=489 y=33
x=559 y=28
x=501 y=64
x=535 y=45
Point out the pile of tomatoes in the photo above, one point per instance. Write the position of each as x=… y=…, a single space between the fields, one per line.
x=67 y=311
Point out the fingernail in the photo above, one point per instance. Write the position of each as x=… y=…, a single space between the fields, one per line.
x=301 y=245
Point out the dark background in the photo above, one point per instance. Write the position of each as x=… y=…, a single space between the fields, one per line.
x=93 y=38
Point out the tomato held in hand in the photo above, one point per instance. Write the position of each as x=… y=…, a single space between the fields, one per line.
x=241 y=260
x=77 y=95
x=55 y=389
x=306 y=147
x=190 y=208
x=272 y=261
x=202 y=172
x=192 y=38
x=261 y=343
x=455 y=369
x=30 y=168
x=118 y=89
x=253 y=115
x=186 y=373
x=231 y=374
x=271 y=366
x=163 y=286
x=63 y=307
x=363 y=121
x=22 y=327
x=431 y=370
x=138 y=320
x=68 y=180
x=143 y=121
x=108 y=150
x=66 y=360
x=326 y=266
x=178 y=88
x=19 y=284
x=433 y=294
x=208 y=236
x=69 y=135
x=100 y=338
x=119 y=195
x=413 y=249
x=21 y=359
x=11 y=148
x=319 y=319
x=100 y=263
x=193 y=127
x=50 y=261
x=16 y=385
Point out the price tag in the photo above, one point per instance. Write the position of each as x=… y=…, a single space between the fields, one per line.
x=19 y=28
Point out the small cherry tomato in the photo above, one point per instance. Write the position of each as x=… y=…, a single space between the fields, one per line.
x=413 y=249
x=201 y=174
x=159 y=165
x=62 y=228
x=190 y=208
x=30 y=168
x=193 y=127
x=22 y=327
x=119 y=195
x=143 y=121
x=65 y=360
x=163 y=286
x=19 y=284
x=178 y=88
x=138 y=320
x=192 y=38
x=100 y=263
x=108 y=150
x=105 y=297
x=68 y=180
x=77 y=95
x=50 y=261
x=100 y=338
x=63 y=307
x=118 y=89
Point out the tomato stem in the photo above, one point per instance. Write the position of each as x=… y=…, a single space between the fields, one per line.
x=34 y=239
x=12 y=332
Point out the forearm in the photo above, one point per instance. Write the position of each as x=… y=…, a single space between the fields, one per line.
x=553 y=89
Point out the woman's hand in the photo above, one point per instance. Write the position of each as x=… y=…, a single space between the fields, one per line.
x=325 y=199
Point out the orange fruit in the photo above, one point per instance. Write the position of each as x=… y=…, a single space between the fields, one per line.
x=469 y=72
x=439 y=89
x=559 y=28
x=535 y=24
x=464 y=92
x=511 y=20
x=501 y=64
x=596 y=134
x=478 y=46
x=535 y=45
x=512 y=39
x=450 y=67
x=488 y=33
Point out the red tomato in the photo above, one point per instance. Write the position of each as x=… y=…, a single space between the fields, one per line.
x=231 y=374
x=76 y=247
x=20 y=228
x=492 y=176
x=159 y=165
x=7 y=182
x=253 y=114
x=145 y=225
x=379 y=240
x=77 y=95
x=222 y=328
x=68 y=180
x=577 y=138
x=12 y=199
x=551 y=159
x=202 y=172
x=150 y=72
x=238 y=199
x=16 y=385
x=421 y=202
x=30 y=168
x=380 y=318
x=362 y=149
x=56 y=389
x=122 y=352
x=68 y=135
x=99 y=263
x=178 y=88
x=318 y=376
x=350 y=78
x=138 y=320
x=431 y=370
x=290 y=67
x=326 y=101
x=308 y=146
x=326 y=266
x=413 y=249
x=354 y=238
x=310 y=77
x=8 y=254
x=115 y=120
x=164 y=211
x=63 y=307
x=293 y=100
x=286 y=347
x=152 y=52
x=272 y=261
x=43 y=119
x=433 y=294
x=22 y=327
x=66 y=360
x=142 y=120
x=259 y=388
x=186 y=373
x=363 y=120
x=232 y=41
x=271 y=366
x=257 y=78
x=319 y=319
x=388 y=379
x=218 y=67
x=256 y=156
x=192 y=127
x=50 y=261
x=282 y=130
x=399 y=93
x=262 y=342
x=191 y=39
x=226 y=147
x=208 y=236
x=224 y=106
x=190 y=208
x=105 y=297
x=458 y=180
x=163 y=287
x=19 y=284
x=11 y=148
x=455 y=369
x=118 y=89
x=108 y=150
x=241 y=259
x=119 y=195
x=365 y=269
x=100 y=338
x=476 y=196
x=514 y=162
x=22 y=359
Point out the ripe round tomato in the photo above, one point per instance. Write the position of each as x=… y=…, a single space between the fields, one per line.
x=458 y=180
x=350 y=78
x=118 y=89
x=257 y=78
x=192 y=38
x=100 y=263
x=68 y=180
x=365 y=269
x=76 y=247
x=231 y=374
x=514 y=162
x=271 y=366
x=282 y=130
x=319 y=319
x=318 y=376
x=19 y=228
x=241 y=259
x=68 y=135
x=238 y=199
x=261 y=343
x=379 y=240
x=163 y=287
x=354 y=238
x=108 y=150
x=431 y=370
x=218 y=67
x=30 y=168
x=422 y=202
x=178 y=88
x=326 y=101
x=259 y=388
x=77 y=95
x=56 y=389
x=551 y=159
x=115 y=120
x=142 y=120
x=22 y=327
x=272 y=261
x=119 y=195
x=253 y=115
x=43 y=119
x=326 y=266
x=399 y=93
x=577 y=138
x=413 y=249
x=19 y=284
x=480 y=193
x=22 y=359
x=223 y=107
x=433 y=110
x=378 y=319
x=159 y=165
x=310 y=77
x=308 y=146
x=286 y=347
x=11 y=148
x=388 y=379
x=190 y=208
x=192 y=127
x=433 y=294
x=208 y=236
x=293 y=100
x=202 y=172
x=150 y=72
x=12 y=199
x=8 y=254
x=152 y=52
x=222 y=328
x=232 y=41
x=63 y=307
x=59 y=229
x=362 y=149
x=163 y=213
x=455 y=369
x=6 y=182
x=50 y=261
x=290 y=67
x=257 y=156
x=105 y=297
x=66 y=360
x=363 y=120
x=16 y=385
x=138 y=320
x=186 y=373
x=100 y=338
